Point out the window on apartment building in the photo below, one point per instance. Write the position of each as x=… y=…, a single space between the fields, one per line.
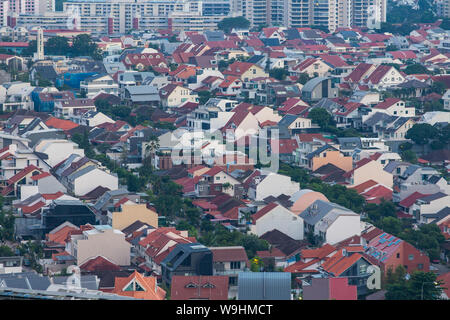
x=420 y=266
x=232 y=281
x=398 y=255
x=411 y=257
x=235 y=265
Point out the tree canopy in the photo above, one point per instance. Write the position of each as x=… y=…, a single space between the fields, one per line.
x=321 y=116
x=420 y=285
x=422 y=133
x=227 y=24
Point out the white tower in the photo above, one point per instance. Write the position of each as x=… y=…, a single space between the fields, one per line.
x=40 y=44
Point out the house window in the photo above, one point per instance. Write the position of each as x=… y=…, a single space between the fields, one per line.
x=235 y=265
x=362 y=269
x=420 y=266
x=411 y=257
x=398 y=255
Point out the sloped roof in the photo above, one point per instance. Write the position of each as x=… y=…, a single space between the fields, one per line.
x=199 y=287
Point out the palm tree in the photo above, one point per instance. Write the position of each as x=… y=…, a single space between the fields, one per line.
x=151 y=147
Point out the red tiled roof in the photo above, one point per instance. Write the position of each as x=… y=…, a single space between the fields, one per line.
x=35 y=207
x=334 y=60
x=387 y=103
x=227 y=254
x=299 y=267
x=99 y=263
x=213 y=171
x=376 y=76
x=406 y=54
x=364 y=186
x=205 y=205
x=22 y=174
x=52 y=196
x=319 y=253
x=272 y=252
x=199 y=288
x=60 y=236
x=377 y=193
x=60 y=123
x=358 y=72
x=121 y=202
x=237 y=68
x=151 y=289
x=304 y=64
x=285 y=146
x=309 y=137
x=40 y=176
x=411 y=199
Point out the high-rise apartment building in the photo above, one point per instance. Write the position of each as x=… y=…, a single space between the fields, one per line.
x=122 y=16
x=332 y=14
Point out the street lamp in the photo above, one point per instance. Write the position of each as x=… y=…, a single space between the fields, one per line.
x=435 y=283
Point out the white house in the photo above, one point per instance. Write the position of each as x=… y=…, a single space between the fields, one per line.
x=91 y=118
x=271 y=184
x=395 y=107
x=99 y=83
x=69 y=108
x=330 y=221
x=446 y=99
x=173 y=95
x=88 y=178
x=57 y=150
x=274 y=216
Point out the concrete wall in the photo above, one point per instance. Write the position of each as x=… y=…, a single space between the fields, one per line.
x=333 y=157
x=92 y=180
x=372 y=171
x=343 y=227
x=109 y=244
x=132 y=213
x=283 y=220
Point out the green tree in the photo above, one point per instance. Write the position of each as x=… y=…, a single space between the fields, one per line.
x=84 y=45
x=133 y=183
x=204 y=96
x=227 y=24
x=6 y=251
x=438 y=87
x=420 y=286
x=57 y=46
x=278 y=73
x=409 y=156
x=391 y=225
x=320 y=116
x=303 y=78
x=422 y=133
x=415 y=69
